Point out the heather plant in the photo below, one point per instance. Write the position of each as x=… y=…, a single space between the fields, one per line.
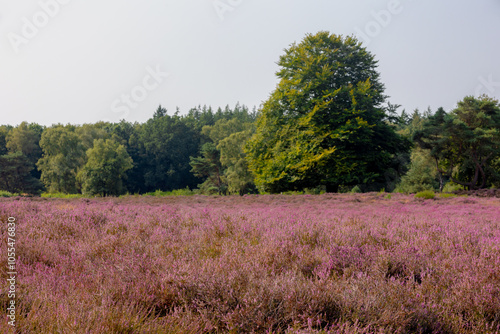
x=331 y=263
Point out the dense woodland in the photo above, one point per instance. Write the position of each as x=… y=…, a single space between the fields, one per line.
x=326 y=127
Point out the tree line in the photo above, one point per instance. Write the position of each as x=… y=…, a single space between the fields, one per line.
x=114 y=158
x=327 y=126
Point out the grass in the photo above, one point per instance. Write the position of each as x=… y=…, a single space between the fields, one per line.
x=426 y=194
x=62 y=195
x=447 y=195
x=332 y=263
x=4 y=193
x=177 y=192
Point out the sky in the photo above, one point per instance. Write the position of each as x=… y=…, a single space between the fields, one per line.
x=76 y=61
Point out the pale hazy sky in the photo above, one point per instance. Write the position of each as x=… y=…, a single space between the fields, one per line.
x=76 y=61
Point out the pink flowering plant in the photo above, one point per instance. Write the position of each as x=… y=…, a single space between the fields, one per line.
x=332 y=263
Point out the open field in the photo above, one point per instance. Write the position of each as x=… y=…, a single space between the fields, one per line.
x=330 y=263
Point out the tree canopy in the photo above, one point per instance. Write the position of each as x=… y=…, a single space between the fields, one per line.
x=107 y=163
x=327 y=125
x=63 y=154
x=465 y=143
x=324 y=124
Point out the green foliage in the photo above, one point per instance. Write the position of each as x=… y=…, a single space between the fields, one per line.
x=103 y=174
x=15 y=176
x=159 y=148
x=426 y=194
x=229 y=138
x=324 y=124
x=446 y=195
x=166 y=143
x=233 y=158
x=414 y=123
x=314 y=191
x=177 y=192
x=209 y=167
x=451 y=187
x=87 y=133
x=4 y=132
x=25 y=138
x=20 y=150
x=356 y=189
x=200 y=117
x=63 y=154
x=465 y=142
x=129 y=135
x=422 y=174
x=4 y=193
x=494 y=169
x=224 y=128
x=62 y=195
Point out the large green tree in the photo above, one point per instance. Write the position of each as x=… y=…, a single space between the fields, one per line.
x=228 y=137
x=105 y=170
x=233 y=158
x=90 y=132
x=25 y=138
x=168 y=143
x=4 y=132
x=465 y=143
x=15 y=174
x=324 y=124
x=422 y=174
x=128 y=134
x=63 y=155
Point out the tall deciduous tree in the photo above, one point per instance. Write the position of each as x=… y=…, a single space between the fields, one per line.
x=228 y=137
x=90 y=132
x=105 y=170
x=422 y=174
x=324 y=124
x=63 y=154
x=25 y=138
x=237 y=174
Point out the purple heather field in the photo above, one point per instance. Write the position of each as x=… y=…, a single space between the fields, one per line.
x=332 y=263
